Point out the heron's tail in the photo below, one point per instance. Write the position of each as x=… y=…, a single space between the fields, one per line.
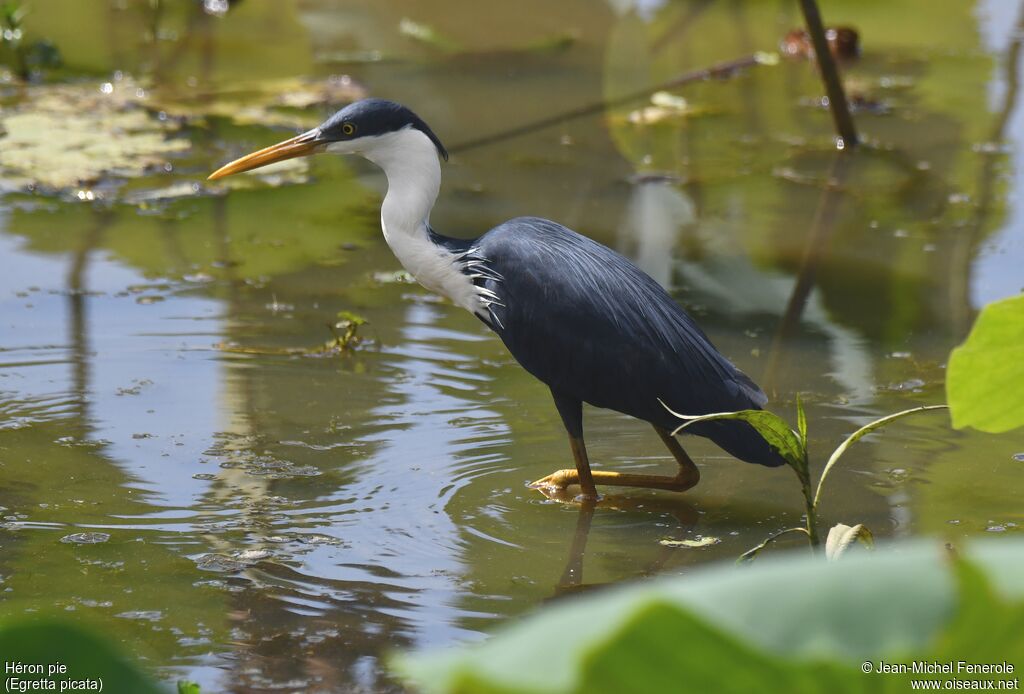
x=740 y=440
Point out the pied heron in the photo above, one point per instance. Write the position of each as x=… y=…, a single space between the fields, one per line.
x=577 y=315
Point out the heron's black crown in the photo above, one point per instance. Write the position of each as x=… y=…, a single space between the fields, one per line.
x=370 y=117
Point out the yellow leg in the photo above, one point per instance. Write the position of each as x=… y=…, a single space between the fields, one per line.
x=558 y=481
x=688 y=471
x=686 y=478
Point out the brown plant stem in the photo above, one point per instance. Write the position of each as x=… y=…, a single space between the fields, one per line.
x=717 y=71
x=829 y=75
x=822 y=226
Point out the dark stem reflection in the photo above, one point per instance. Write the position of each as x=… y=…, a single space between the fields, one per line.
x=572 y=582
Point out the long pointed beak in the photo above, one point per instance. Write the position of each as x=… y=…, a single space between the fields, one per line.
x=302 y=145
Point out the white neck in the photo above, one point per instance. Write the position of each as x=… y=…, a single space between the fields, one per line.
x=410 y=162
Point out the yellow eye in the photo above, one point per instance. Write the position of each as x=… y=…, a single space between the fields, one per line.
x=348 y=128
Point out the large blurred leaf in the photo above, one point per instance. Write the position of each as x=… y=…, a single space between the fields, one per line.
x=86 y=656
x=985 y=379
x=644 y=657
x=780 y=626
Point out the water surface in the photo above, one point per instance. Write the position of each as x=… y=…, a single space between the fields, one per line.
x=281 y=519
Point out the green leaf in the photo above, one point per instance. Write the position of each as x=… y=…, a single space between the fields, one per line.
x=84 y=655
x=861 y=433
x=777 y=626
x=987 y=626
x=770 y=426
x=14 y=14
x=644 y=657
x=985 y=377
x=841 y=537
x=801 y=421
x=351 y=318
x=186 y=687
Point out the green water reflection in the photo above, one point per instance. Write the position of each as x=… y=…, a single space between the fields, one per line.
x=283 y=521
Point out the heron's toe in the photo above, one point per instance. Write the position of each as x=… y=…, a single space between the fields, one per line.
x=556 y=481
x=564 y=486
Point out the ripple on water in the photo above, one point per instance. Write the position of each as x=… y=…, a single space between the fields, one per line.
x=18 y=411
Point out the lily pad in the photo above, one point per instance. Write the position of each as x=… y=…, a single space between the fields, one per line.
x=664 y=106
x=61 y=137
x=280 y=103
x=66 y=137
x=220 y=563
x=699 y=541
x=396 y=277
x=85 y=538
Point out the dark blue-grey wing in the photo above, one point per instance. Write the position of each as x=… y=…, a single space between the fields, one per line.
x=590 y=324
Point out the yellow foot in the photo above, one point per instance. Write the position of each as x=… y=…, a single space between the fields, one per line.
x=564 y=486
x=556 y=485
x=560 y=479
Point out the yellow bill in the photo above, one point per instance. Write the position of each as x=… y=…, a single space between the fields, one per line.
x=299 y=146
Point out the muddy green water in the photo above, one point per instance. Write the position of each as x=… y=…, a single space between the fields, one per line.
x=282 y=522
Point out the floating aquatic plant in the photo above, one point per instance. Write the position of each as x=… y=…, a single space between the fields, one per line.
x=62 y=137
x=74 y=138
